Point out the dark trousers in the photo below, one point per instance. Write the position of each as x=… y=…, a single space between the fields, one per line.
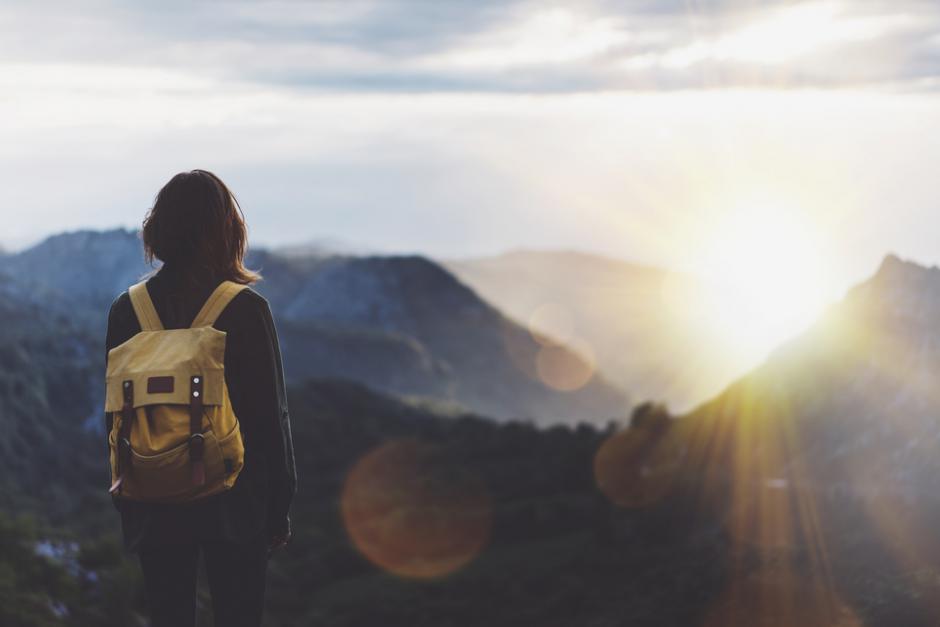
x=236 y=574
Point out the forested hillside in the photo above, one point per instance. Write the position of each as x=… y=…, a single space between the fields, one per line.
x=548 y=548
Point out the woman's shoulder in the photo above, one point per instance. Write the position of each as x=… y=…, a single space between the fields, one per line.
x=122 y=322
x=248 y=307
x=250 y=297
x=120 y=305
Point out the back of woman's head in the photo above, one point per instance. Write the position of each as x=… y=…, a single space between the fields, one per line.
x=196 y=225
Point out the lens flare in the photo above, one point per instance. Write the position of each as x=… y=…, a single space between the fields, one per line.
x=566 y=368
x=414 y=513
x=637 y=467
x=550 y=324
x=780 y=598
x=767 y=278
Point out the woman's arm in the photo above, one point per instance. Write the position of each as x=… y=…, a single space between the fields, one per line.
x=266 y=403
x=283 y=476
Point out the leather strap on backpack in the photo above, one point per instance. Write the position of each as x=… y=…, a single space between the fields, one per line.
x=197 y=441
x=124 y=458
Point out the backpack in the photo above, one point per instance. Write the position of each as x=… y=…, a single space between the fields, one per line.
x=174 y=436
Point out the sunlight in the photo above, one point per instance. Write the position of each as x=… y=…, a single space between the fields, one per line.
x=786 y=34
x=795 y=31
x=766 y=280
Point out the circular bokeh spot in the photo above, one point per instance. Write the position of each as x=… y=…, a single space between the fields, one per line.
x=638 y=466
x=551 y=324
x=566 y=368
x=412 y=512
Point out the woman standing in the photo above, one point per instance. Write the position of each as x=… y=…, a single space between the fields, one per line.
x=197 y=230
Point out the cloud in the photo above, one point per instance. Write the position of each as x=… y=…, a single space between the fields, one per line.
x=492 y=45
x=468 y=127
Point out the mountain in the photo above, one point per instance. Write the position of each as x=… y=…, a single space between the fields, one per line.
x=801 y=495
x=855 y=395
x=403 y=325
x=322 y=247
x=84 y=270
x=825 y=459
x=637 y=320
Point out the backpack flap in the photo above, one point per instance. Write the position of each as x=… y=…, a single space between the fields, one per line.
x=149 y=385
x=160 y=365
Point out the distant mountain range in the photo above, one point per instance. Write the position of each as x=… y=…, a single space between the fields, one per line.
x=635 y=318
x=402 y=325
x=803 y=494
x=81 y=271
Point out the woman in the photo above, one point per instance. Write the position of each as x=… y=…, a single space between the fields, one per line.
x=197 y=230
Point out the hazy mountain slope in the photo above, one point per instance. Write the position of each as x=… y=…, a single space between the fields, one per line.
x=826 y=458
x=438 y=338
x=399 y=324
x=86 y=268
x=636 y=319
x=859 y=390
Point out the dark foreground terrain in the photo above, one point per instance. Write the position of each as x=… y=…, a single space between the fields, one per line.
x=508 y=525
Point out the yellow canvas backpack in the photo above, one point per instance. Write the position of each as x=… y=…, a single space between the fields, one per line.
x=174 y=436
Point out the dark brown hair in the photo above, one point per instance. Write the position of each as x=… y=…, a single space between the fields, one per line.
x=196 y=224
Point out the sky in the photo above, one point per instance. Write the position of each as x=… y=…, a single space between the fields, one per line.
x=456 y=129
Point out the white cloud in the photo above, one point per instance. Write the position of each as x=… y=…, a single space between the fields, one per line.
x=515 y=45
x=789 y=33
x=459 y=130
x=546 y=37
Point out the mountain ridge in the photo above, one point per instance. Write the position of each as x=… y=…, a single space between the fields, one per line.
x=401 y=324
x=635 y=317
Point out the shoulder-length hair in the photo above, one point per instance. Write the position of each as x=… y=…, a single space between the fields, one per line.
x=196 y=225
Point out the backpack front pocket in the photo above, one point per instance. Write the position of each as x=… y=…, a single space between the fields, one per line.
x=232 y=451
x=168 y=476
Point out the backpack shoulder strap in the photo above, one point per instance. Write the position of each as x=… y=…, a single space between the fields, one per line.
x=216 y=303
x=143 y=306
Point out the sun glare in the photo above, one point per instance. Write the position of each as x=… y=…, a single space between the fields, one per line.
x=765 y=280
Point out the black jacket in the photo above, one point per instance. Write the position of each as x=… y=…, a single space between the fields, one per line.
x=260 y=499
